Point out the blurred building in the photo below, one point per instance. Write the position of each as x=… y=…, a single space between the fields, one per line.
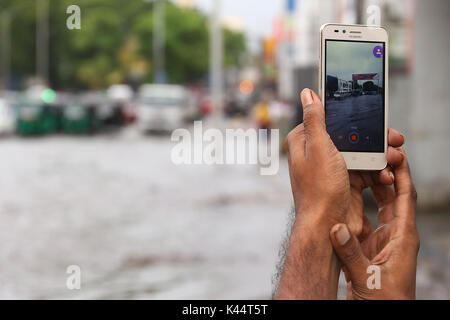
x=419 y=92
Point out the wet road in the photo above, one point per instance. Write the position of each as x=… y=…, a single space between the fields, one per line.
x=140 y=227
x=361 y=116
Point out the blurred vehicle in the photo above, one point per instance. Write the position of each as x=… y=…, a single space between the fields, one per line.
x=205 y=105
x=39 y=112
x=238 y=105
x=341 y=94
x=357 y=92
x=120 y=92
x=7 y=118
x=108 y=110
x=103 y=107
x=78 y=116
x=121 y=97
x=163 y=107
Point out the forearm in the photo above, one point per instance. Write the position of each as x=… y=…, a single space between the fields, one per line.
x=311 y=269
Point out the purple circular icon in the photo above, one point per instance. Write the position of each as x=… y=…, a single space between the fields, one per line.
x=378 y=51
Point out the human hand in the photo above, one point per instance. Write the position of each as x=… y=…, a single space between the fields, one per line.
x=319 y=177
x=393 y=246
x=321 y=190
x=360 y=180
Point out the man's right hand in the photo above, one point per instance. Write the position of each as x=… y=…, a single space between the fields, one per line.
x=392 y=248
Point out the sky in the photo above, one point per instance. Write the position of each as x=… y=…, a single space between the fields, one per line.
x=257 y=16
x=346 y=58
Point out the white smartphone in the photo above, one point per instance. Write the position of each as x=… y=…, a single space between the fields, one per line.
x=353 y=86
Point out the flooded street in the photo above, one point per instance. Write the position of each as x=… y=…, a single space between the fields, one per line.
x=141 y=227
x=361 y=116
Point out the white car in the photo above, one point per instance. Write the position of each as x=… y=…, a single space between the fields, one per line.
x=7 y=119
x=341 y=94
x=120 y=92
x=162 y=107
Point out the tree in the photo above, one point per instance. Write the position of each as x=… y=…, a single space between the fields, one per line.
x=369 y=86
x=115 y=42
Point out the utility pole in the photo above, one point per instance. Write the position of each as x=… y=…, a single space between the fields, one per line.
x=5 y=63
x=159 y=40
x=216 y=58
x=42 y=40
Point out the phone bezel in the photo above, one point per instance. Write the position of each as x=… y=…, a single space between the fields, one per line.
x=358 y=160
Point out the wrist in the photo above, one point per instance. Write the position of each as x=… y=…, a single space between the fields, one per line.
x=318 y=219
x=311 y=269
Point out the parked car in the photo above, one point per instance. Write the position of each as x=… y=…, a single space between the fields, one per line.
x=163 y=107
x=78 y=116
x=341 y=94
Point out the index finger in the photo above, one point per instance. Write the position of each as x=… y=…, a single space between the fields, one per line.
x=395 y=138
x=406 y=195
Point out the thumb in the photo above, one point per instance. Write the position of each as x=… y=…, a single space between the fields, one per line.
x=349 y=251
x=313 y=114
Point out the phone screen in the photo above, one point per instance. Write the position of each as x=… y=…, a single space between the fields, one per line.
x=354 y=94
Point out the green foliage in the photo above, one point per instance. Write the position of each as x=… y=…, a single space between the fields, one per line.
x=369 y=86
x=115 y=42
x=234 y=45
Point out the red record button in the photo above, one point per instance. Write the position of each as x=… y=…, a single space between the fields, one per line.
x=353 y=137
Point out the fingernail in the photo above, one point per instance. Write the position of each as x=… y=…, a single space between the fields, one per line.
x=342 y=234
x=306 y=97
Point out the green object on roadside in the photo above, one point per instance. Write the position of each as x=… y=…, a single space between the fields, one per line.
x=79 y=119
x=37 y=118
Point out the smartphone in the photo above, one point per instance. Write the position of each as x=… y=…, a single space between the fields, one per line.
x=353 y=86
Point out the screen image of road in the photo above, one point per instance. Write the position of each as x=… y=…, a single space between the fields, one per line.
x=354 y=95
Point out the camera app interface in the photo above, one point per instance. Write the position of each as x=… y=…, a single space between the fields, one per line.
x=354 y=95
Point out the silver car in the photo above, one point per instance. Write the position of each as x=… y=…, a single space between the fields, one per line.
x=162 y=107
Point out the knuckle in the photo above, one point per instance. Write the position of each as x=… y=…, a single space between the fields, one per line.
x=289 y=139
x=413 y=193
x=290 y=135
x=314 y=117
x=293 y=137
x=351 y=255
x=311 y=112
x=295 y=133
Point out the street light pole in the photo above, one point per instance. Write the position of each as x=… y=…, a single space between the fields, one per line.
x=5 y=64
x=42 y=40
x=159 y=39
x=216 y=58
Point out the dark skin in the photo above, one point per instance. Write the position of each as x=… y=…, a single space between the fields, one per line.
x=393 y=246
x=325 y=194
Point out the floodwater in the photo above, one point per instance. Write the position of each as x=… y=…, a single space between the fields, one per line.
x=140 y=227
